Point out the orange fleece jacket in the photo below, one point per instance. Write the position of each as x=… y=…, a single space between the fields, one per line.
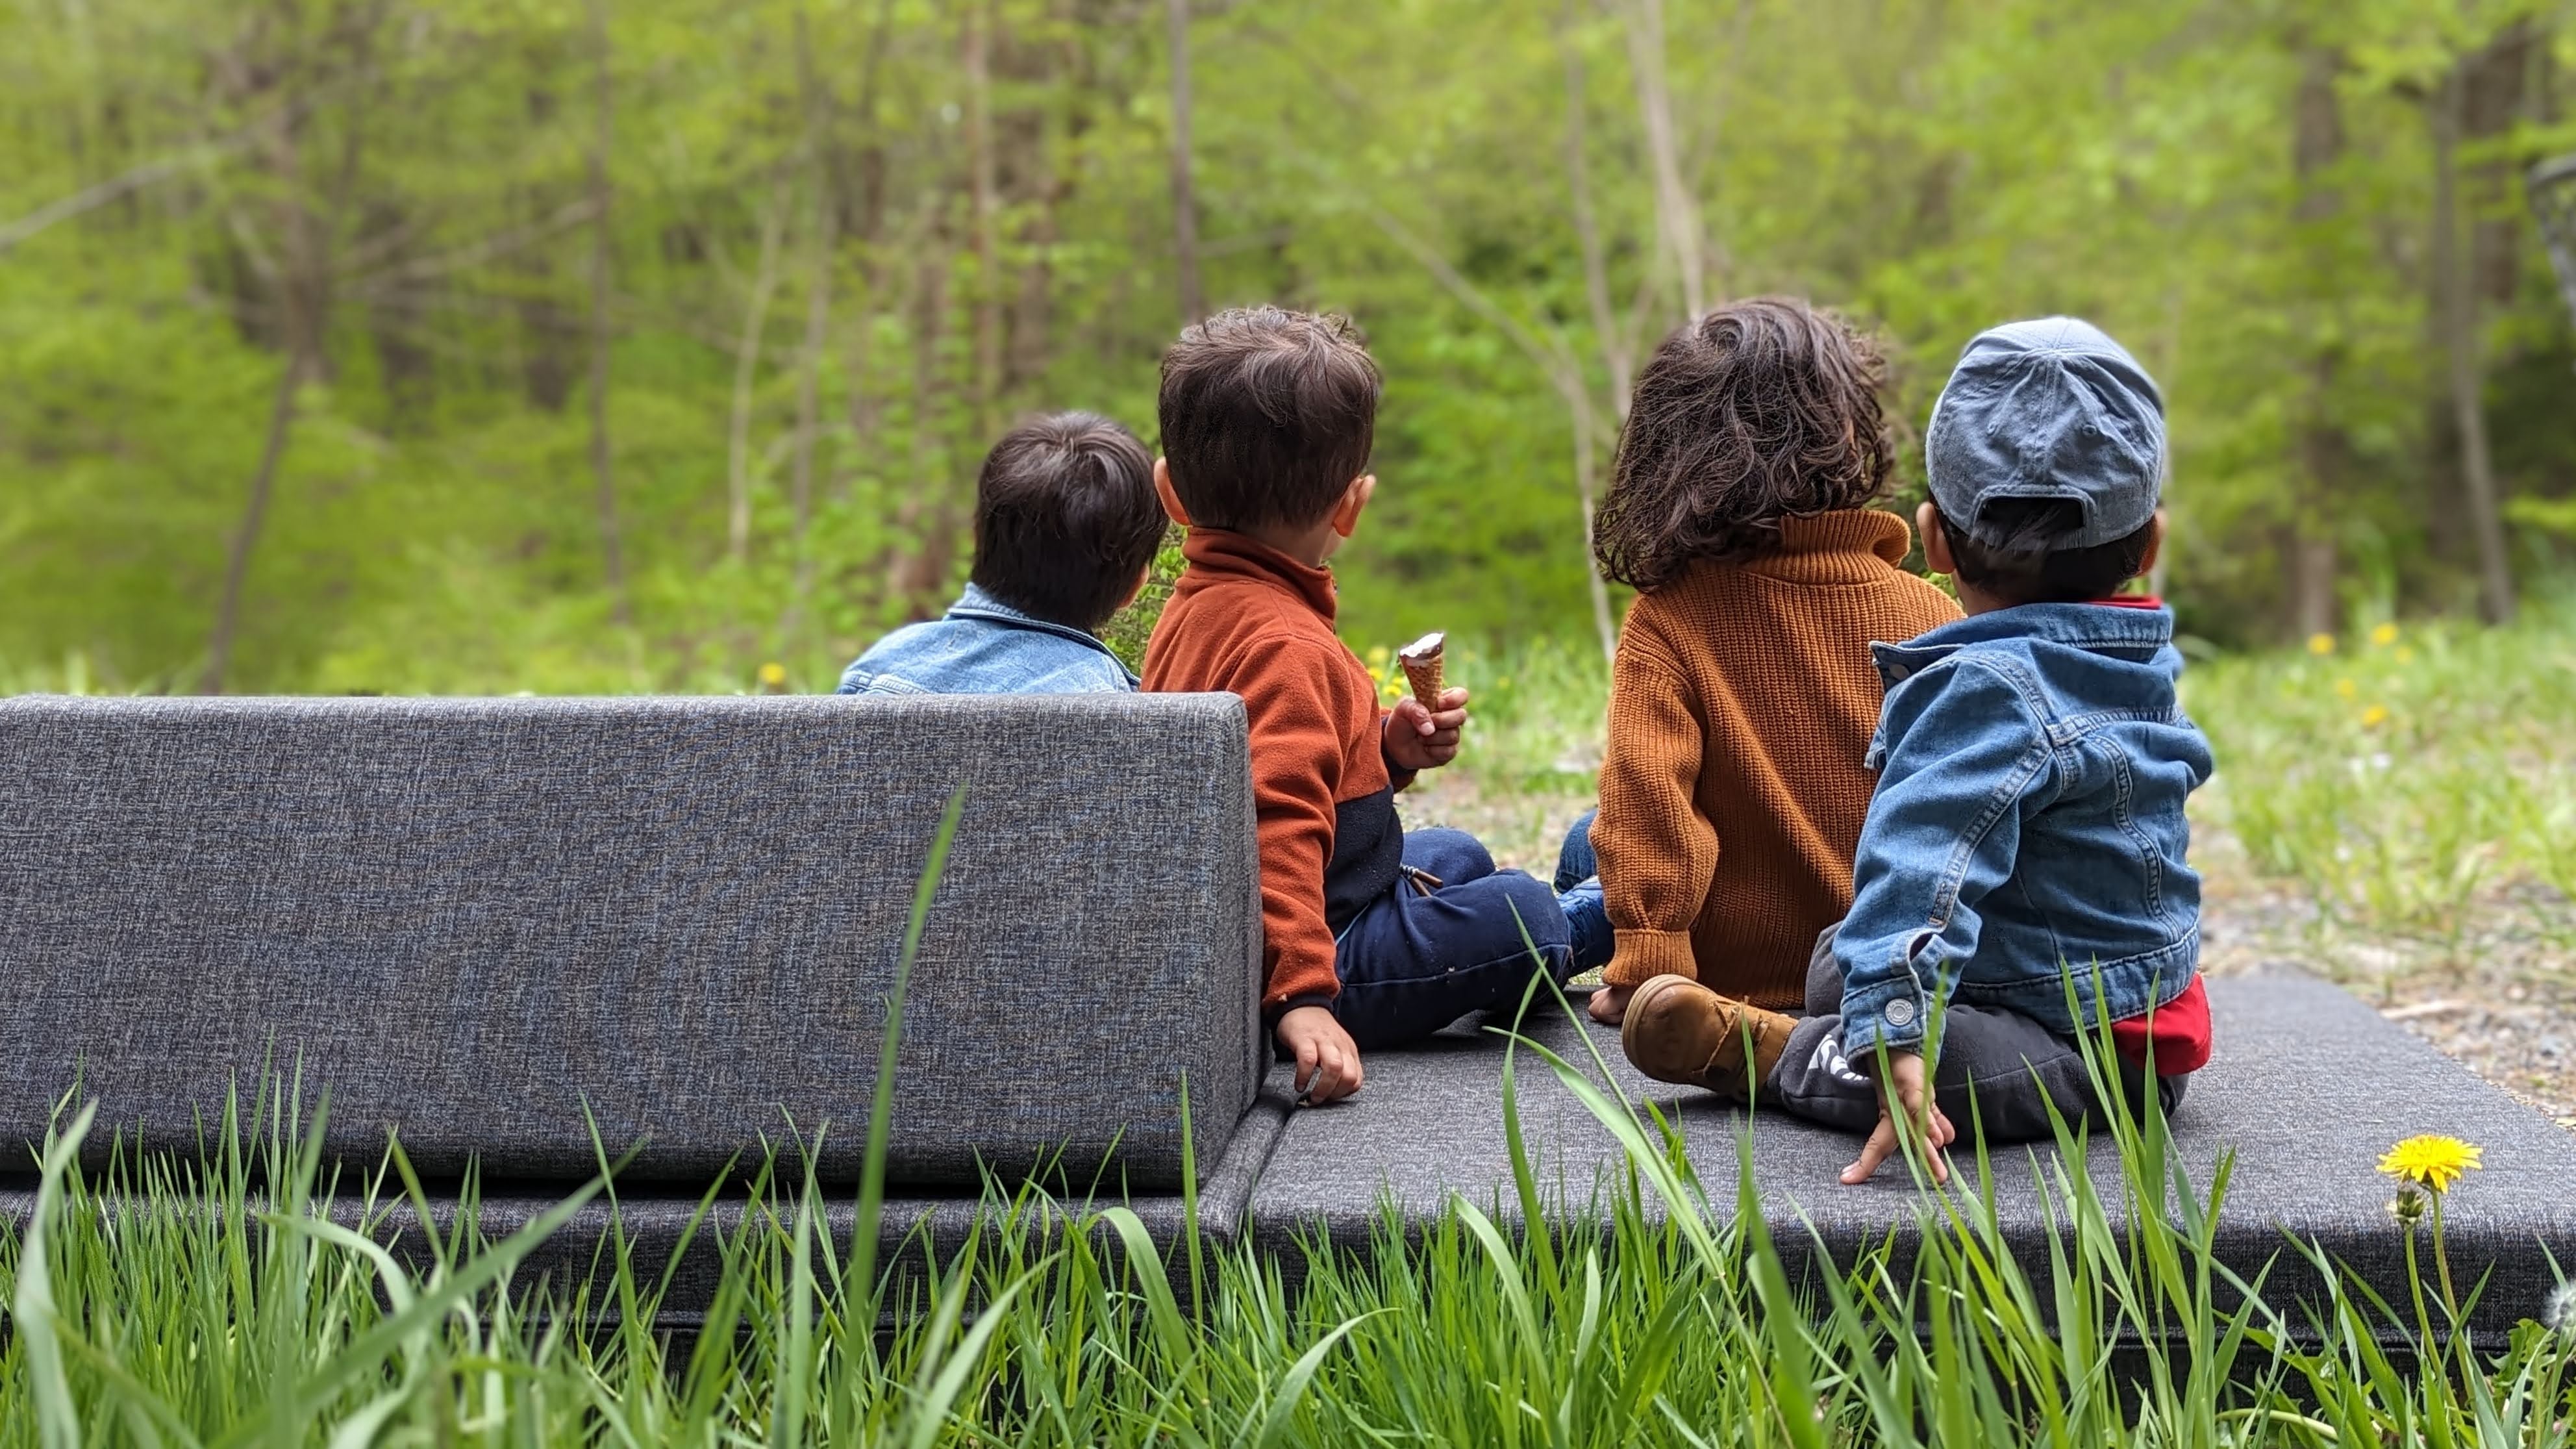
x=1732 y=793
x=1248 y=620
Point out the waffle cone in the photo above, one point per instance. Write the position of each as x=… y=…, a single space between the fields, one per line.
x=1422 y=668
x=1424 y=676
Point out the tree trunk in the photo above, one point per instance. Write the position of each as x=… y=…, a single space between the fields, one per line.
x=1185 y=219
x=984 y=192
x=611 y=545
x=1676 y=214
x=1612 y=338
x=2324 y=451
x=1587 y=453
x=281 y=421
x=818 y=317
x=746 y=366
x=864 y=193
x=920 y=523
x=2458 y=312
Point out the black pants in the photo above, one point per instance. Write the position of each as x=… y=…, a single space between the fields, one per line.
x=2012 y=1066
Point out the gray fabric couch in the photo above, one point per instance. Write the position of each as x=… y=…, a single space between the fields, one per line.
x=521 y=934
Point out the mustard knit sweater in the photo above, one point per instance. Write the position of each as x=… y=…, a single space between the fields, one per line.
x=1732 y=794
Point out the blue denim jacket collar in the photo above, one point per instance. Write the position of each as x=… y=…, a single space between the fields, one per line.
x=977 y=604
x=2113 y=629
x=985 y=646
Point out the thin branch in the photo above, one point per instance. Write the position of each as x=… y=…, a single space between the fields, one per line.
x=492 y=248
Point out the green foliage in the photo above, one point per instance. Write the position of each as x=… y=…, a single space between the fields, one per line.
x=797 y=248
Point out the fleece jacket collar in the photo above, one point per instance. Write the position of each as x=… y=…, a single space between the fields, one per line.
x=1219 y=554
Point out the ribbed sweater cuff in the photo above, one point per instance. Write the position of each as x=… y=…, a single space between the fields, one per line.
x=1644 y=954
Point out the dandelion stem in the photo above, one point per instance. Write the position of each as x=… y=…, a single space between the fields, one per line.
x=2442 y=1262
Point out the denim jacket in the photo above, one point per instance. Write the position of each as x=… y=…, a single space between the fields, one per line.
x=984 y=646
x=2028 y=825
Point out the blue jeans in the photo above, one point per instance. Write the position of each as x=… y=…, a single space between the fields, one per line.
x=1412 y=963
x=1575 y=862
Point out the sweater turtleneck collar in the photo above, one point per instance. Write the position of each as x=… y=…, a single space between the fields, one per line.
x=1846 y=546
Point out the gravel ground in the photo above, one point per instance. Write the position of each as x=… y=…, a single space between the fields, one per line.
x=2498 y=993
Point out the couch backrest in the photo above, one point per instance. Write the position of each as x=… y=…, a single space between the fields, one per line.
x=471 y=919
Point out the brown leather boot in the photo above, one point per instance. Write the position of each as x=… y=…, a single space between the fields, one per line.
x=1680 y=1031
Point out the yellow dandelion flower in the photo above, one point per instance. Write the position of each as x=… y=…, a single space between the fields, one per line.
x=2346 y=689
x=1380 y=655
x=2431 y=1162
x=773 y=674
x=2375 y=716
x=2384 y=635
x=2321 y=644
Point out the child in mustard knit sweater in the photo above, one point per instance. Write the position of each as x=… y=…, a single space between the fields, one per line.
x=1743 y=695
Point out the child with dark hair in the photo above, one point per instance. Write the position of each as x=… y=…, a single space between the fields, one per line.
x=1066 y=525
x=2022 y=873
x=1370 y=936
x=1742 y=698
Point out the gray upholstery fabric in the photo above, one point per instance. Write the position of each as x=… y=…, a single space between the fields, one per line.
x=468 y=919
x=2308 y=1088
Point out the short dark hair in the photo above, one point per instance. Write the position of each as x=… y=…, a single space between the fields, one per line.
x=2025 y=564
x=1762 y=410
x=1267 y=416
x=1065 y=518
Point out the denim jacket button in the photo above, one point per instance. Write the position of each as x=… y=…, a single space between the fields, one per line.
x=1900 y=1012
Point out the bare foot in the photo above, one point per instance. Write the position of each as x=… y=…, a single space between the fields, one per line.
x=1610 y=1004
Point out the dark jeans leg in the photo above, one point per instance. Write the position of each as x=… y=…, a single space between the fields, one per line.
x=2011 y=1066
x=1575 y=862
x=1412 y=963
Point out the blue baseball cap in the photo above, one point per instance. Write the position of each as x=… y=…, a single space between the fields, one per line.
x=2048 y=409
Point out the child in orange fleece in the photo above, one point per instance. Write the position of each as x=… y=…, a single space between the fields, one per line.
x=1744 y=695
x=1370 y=936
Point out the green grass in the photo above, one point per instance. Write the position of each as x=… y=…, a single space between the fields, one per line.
x=2405 y=770
x=143 y=1314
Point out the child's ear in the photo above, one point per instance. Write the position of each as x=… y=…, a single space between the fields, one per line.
x=1936 y=539
x=2155 y=545
x=1355 y=499
x=1163 y=489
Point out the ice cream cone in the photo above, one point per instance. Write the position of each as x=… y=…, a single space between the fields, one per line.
x=1421 y=661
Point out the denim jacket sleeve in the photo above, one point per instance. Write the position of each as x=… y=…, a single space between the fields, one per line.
x=1964 y=755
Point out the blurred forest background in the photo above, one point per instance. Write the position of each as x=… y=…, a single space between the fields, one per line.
x=478 y=345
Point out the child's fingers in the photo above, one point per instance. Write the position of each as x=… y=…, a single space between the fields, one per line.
x=1882 y=1141
x=1336 y=1075
x=1308 y=1076
x=1453 y=701
x=1412 y=717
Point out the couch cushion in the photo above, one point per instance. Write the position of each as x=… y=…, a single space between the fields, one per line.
x=471 y=919
x=2308 y=1087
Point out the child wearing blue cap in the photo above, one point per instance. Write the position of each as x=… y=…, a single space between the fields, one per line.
x=2027 y=827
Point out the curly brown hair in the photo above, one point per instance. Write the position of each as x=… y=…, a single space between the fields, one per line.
x=1762 y=410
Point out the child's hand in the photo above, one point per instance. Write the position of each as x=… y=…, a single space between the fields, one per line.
x=1610 y=1004
x=1904 y=1089
x=1418 y=739
x=1328 y=1061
